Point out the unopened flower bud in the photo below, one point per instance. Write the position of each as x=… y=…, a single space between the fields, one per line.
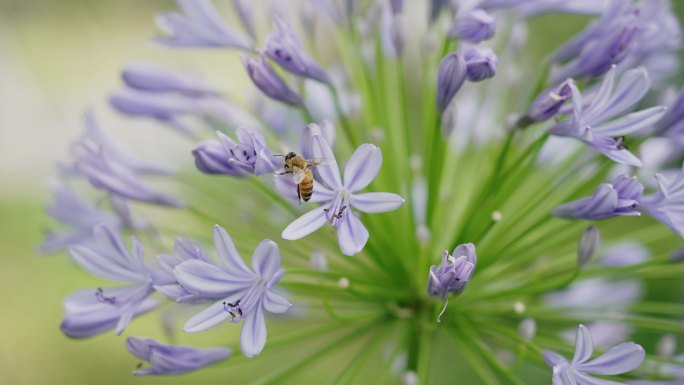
x=450 y=77
x=481 y=63
x=474 y=26
x=587 y=245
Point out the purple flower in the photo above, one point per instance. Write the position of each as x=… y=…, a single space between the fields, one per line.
x=593 y=122
x=602 y=44
x=167 y=108
x=453 y=274
x=268 y=81
x=285 y=48
x=481 y=63
x=78 y=215
x=151 y=78
x=199 y=26
x=620 y=359
x=172 y=359
x=165 y=279
x=250 y=153
x=93 y=311
x=619 y=198
x=338 y=198
x=672 y=123
x=212 y=157
x=450 y=77
x=247 y=293
x=549 y=102
x=667 y=205
x=112 y=169
x=528 y=8
x=473 y=26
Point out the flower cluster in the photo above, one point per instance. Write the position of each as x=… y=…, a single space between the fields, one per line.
x=452 y=138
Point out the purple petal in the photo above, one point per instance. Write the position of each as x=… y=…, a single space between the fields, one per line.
x=205 y=278
x=320 y=149
x=553 y=359
x=253 y=334
x=228 y=253
x=275 y=303
x=207 y=318
x=351 y=234
x=581 y=379
x=620 y=359
x=93 y=322
x=305 y=225
x=583 y=345
x=631 y=123
x=633 y=85
x=266 y=259
x=363 y=167
x=376 y=202
x=99 y=264
x=602 y=97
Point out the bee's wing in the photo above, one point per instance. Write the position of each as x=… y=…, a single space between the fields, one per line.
x=297 y=175
x=319 y=161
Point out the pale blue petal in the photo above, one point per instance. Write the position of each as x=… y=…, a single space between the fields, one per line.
x=305 y=225
x=351 y=234
x=620 y=359
x=275 y=303
x=584 y=346
x=207 y=318
x=205 y=278
x=376 y=202
x=253 y=334
x=228 y=253
x=266 y=259
x=363 y=167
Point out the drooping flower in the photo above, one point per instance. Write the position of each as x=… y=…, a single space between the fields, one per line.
x=619 y=198
x=620 y=359
x=284 y=47
x=93 y=311
x=113 y=170
x=601 y=123
x=79 y=215
x=212 y=157
x=199 y=26
x=453 y=71
x=453 y=274
x=247 y=293
x=172 y=359
x=268 y=81
x=671 y=124
x=473 y=26
x=166 y=108
x=152 y=78
x=338 y=198
x=481 y=63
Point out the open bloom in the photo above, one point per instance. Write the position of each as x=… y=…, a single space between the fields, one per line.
x=172 y=359
x=249 y=153
x=620 y=359
x=338 y=198
x=93 y=311
x=595 y=122
x=246 y=293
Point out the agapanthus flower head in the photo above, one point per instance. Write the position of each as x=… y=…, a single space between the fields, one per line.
x=246 y=292
x=199 y=26
x=172 y=359
x=620 y=359
x=601 y=123
x=212 y=157
x=339 y=197
x=285 y=48
x=268 y=81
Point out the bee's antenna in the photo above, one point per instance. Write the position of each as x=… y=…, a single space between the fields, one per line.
x=278 y=155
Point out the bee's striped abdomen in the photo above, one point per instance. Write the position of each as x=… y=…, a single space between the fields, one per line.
x=306 y=186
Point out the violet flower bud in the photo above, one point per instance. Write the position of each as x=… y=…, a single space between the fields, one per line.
x=450 y=77
x=481 y=63
x=587 y=245
x=268 y=81
x=474 y=27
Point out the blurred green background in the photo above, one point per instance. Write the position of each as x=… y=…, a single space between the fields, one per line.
x=56 y=57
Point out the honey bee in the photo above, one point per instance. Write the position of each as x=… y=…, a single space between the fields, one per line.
x=300 y=169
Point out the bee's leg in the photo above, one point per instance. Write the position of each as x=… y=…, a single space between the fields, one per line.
x=299 y=195
x=283 y=172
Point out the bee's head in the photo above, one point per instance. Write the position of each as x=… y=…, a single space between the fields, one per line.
x=290 y=155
